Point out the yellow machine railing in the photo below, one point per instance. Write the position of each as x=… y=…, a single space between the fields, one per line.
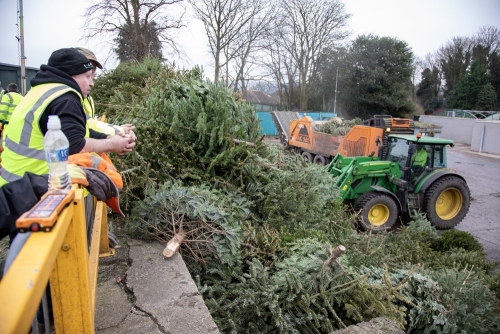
x=61 y=255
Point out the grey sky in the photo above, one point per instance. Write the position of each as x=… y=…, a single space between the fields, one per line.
x=424 y=24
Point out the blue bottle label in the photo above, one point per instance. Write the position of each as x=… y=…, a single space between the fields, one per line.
x=57 y=156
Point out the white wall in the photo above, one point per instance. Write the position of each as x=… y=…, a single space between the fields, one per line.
x=457 y=129
x=489 y=131
x=469 y=131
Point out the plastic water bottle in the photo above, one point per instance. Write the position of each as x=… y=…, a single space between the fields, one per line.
x=56 y=147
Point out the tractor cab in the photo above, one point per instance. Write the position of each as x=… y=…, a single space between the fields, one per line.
x=417 y=157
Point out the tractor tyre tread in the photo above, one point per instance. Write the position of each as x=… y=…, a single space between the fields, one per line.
x=431 y=196
x=364 y=199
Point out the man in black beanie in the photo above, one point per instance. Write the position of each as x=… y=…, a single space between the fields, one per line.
x=57 y=89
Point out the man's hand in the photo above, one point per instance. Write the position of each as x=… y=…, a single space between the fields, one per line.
x=128 y=128
x=131 y=134
x=122 y=144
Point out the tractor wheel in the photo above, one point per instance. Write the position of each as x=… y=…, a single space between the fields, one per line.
x=307 y=156
x=377 y=211
x=446 y=202
x=320 y=160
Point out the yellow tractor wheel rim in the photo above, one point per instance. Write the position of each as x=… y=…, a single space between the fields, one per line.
x=378 y=215
x=448 y=204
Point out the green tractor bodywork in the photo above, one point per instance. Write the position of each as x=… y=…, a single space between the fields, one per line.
x=384 y=188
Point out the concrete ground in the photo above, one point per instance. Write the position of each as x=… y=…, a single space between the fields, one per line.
x=482 y=173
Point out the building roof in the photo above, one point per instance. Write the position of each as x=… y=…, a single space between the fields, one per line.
x=256 y=96
x=19 y=66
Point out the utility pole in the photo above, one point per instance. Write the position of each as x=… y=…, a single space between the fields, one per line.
x=21 y=41
x=335 y=99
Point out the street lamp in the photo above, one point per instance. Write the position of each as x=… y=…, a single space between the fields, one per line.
x=21 y=41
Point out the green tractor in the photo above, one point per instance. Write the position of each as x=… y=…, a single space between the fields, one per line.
x=410 y=175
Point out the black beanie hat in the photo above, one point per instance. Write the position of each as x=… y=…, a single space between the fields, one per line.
x=70 y=61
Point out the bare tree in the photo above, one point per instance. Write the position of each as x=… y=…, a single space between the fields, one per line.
x=418 y=67
x=281 y=66
x=489 y=37
x=429 y=61
x=224 y=21
x=135 y=19
x=455 y=58
x=252 y=41
x=309 y=26
x=432 y=62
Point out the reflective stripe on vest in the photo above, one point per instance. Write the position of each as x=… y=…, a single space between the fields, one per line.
x=109 y=129
x=117 y=129
x=8 y=176
x=95 y=161
x=5 y=104
x=24 y=140
x=8 y=103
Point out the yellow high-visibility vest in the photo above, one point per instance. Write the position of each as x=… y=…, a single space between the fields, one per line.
x=420 y=158
x=8 y=103
x=23 y=145
x=94 y=124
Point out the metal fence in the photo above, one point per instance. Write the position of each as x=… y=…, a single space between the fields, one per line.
x=68 y=258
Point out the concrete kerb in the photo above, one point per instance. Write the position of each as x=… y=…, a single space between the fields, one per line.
x=466 y=148
x=164 y=289
x=139 y=291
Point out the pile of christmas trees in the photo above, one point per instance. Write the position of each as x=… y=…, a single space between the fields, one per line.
x=263 y=232
x=338 y=127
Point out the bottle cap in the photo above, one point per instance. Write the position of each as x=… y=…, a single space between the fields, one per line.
x=54 y=123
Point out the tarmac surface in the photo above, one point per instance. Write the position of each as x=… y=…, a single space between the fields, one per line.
x=140 y=291
x=482 y=173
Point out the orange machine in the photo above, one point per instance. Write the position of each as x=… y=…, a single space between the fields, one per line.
x=362 y=140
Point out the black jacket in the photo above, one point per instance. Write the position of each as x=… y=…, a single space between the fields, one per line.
x=18 y=197
x=67 y=107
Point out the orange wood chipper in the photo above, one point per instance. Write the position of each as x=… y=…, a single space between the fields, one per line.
x=300 y=135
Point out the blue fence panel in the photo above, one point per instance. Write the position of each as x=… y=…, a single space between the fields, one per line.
x=267 y=124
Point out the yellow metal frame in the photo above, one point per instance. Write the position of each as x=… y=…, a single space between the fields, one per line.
x=101 y=214
x=61 y=255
